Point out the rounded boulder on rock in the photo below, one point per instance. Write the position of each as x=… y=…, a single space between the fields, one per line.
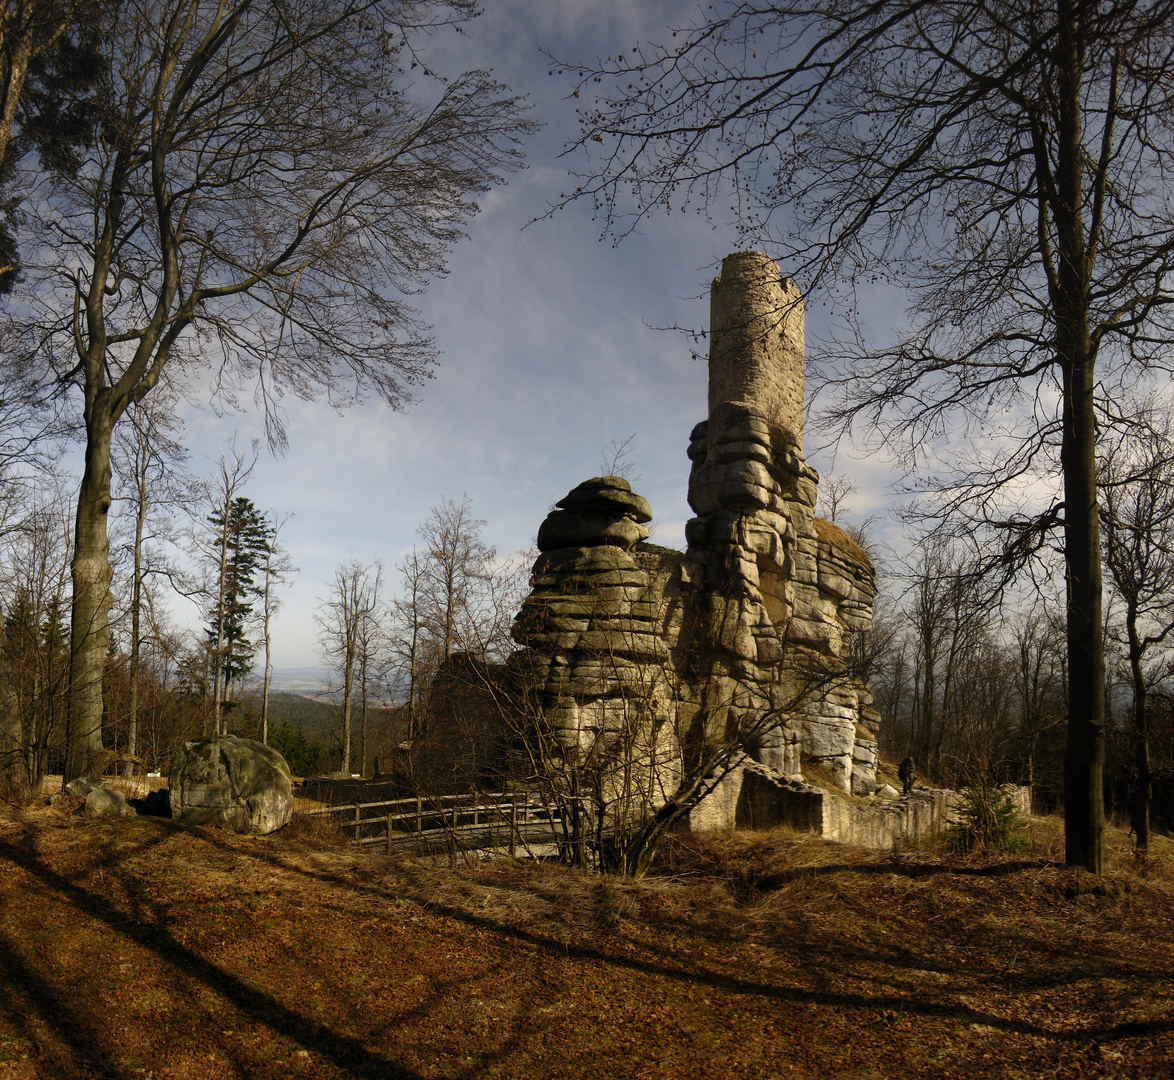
x=101 y=799
x=106 y=802
x=607 y=495
x=236 y=783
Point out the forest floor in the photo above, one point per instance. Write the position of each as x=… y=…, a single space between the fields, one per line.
x=142 y=948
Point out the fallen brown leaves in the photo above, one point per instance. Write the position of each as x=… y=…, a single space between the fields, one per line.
x=143 y=949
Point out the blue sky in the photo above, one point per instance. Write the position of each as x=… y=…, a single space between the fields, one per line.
x=549 y=353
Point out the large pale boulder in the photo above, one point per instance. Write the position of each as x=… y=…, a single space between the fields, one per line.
x=235 y=783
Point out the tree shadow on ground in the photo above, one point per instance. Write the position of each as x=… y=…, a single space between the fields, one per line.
x=140 y=922
x=345 y=1052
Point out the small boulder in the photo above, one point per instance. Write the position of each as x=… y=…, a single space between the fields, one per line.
x=862 y=783
x=101 y=799
x=106 y=802
x=235 y=783
x=887 y=791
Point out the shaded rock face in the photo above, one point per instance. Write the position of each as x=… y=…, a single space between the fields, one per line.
x=757 y=615
x=236 y=783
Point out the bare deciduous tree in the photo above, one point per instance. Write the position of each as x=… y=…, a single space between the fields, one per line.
x=834 y=493
x=459 y=602
x=345 y=634
x=412 y=660
x=148 y=456
x=273 y=179
x=1137 y=512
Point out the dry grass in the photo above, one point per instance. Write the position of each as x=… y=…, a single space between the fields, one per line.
x=138 y=787
x=143 y=948
x=832 y=534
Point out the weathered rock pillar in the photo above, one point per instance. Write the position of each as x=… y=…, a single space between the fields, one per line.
x=780 y=592
x=743 y=641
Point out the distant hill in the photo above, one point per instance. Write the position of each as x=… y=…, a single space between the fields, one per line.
x=313 y=715
x=311 y=742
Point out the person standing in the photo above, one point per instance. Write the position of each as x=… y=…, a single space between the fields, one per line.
x=908 y=773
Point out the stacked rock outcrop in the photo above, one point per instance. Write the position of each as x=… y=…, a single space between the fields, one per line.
x=751 y=627
x=594 y=622
x=785 y=591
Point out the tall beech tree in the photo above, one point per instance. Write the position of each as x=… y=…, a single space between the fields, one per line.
x=272 y=180
x=1004 y=165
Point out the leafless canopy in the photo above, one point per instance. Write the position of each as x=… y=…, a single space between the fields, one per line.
x=277 y=177
x=923 y=146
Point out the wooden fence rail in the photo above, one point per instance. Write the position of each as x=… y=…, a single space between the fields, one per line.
x=452 y=821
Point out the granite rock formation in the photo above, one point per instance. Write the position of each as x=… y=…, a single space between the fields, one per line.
x=599 y=635
x=754 y=621
x=101 y=799
x=236 y=783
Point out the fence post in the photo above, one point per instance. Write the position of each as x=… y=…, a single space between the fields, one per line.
x=514 y=829
x=419 y=810
x=356 y=822
x=388 y=834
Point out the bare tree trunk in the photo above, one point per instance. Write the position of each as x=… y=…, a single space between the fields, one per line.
x=89 y=627
x=1084 y=806
x=363 y=712
x=268 y=656
x=136 y=603
x=348 y=677
x=1140 y=810
x=218 y=666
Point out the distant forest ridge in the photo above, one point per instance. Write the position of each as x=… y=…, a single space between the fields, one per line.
x=310 y=739
x=316 y=716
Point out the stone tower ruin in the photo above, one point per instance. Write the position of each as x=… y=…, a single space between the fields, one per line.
x=750 y=628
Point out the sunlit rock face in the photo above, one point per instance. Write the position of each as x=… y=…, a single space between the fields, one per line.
x=756 y=617
x=784 y=591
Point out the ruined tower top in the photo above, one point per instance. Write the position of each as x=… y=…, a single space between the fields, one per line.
x=756 y=341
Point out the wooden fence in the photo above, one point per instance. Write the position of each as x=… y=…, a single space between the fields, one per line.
x=457 y=822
